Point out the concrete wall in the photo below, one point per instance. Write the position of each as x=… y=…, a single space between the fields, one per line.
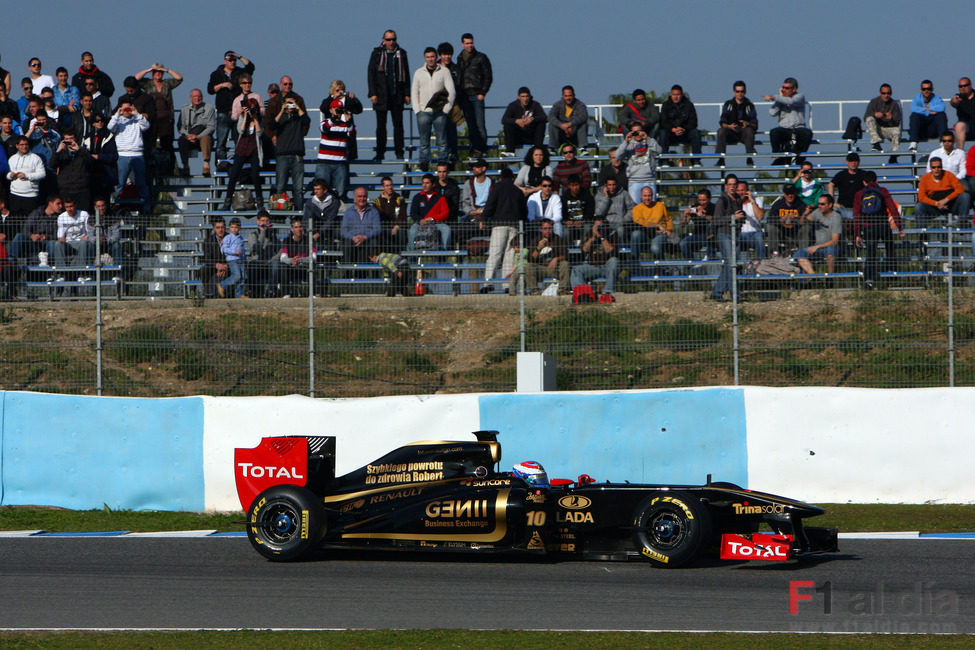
x=816 y=444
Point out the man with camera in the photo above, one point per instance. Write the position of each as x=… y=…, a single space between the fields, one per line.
x=290 y=123
x=601 y=250
x=639 y=152
x=197 y=123
x=333 y=148
x=128 y=125
x=73 y=164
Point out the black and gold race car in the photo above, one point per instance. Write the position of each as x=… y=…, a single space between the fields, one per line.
x=451 y=496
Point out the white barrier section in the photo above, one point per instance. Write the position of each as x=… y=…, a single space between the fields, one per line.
x=861 y=445
x=364 y=429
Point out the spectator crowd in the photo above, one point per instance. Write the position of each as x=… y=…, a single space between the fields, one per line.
x=72 y=144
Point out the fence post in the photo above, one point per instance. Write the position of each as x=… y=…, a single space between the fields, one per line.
x=523 y=259
x=98 y=302
x=311 y=305
x=734 y=295
x=951 y=310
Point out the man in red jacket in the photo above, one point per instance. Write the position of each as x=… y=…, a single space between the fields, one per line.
x=429 y=208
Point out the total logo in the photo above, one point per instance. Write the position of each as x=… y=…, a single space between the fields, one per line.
x=269 y=471
x=761 y=546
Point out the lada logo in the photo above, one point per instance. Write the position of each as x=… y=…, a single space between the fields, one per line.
x=575 y=502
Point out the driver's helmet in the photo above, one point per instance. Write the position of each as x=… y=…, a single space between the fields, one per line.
x=532 y=472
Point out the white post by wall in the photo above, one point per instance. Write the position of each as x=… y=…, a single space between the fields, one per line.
x=536 y=372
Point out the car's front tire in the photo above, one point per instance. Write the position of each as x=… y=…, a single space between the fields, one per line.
x=671 y=528
x=285 y=523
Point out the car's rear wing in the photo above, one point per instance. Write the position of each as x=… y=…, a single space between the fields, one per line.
x=305 y=461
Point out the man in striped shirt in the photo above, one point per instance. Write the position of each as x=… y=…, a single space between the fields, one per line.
x=333 y=161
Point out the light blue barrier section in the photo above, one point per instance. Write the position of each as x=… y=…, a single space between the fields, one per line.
x=87 y=452
x=648 y=437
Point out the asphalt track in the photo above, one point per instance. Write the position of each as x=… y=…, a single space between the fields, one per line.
x=143 y=583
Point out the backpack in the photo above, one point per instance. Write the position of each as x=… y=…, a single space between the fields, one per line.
x=282 y=202
x=774 y=266
x=243 y=200
x=427 y=238
x=872 y=203
x=582 y=294
x=854 y=130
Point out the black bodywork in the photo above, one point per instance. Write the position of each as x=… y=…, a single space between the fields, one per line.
x=450 y=496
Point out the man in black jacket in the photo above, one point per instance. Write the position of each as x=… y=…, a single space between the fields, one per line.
x=505 y=207
x=89 y=70
x=74 y=163
x=524 y=123
x=214 y=263
x=678 y=122
x=474 y=71
x=389 y=91
x=225 y=84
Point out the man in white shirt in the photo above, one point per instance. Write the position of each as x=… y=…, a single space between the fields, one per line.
x=751 y=228
x=953 y=159
x=433 y=97
x=74 y=233
x=128 y=125
x=26 y=173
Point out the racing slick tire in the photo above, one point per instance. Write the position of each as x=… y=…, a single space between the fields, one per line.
x=285 y=523
x=671 y=527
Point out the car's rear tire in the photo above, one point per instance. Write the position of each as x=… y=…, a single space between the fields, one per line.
x=285 y=523
x=671 y=528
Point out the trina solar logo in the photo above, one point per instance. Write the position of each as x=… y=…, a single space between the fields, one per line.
x=745 y=509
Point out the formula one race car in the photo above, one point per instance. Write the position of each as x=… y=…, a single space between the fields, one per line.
x=450 y=496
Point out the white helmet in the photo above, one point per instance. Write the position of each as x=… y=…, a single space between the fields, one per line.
x=532 y=472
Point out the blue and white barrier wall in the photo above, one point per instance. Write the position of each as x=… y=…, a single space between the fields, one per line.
x=816 y=444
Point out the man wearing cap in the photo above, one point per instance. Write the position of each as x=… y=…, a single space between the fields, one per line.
x=225 y=84
x=474 y=194
x=333 y=148
x=785 y=229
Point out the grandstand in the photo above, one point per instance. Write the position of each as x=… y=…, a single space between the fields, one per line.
x=164 y=252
